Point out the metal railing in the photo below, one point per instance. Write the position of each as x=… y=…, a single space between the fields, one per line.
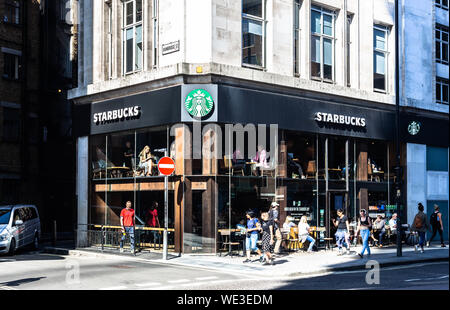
x=109 y=237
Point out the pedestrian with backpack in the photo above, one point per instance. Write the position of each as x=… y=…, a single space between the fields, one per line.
x=421 y=226
x=436 y=224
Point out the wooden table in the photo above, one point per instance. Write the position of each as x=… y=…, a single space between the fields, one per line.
x=116 y=172
x=378 y=175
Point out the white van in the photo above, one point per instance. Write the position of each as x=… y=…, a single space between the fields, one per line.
x=19 y=226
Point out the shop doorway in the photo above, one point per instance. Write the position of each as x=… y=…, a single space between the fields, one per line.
x=335 y=200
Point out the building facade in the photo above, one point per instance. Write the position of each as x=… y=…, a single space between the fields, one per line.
x=37 y=53
x=19 y=100
x=425 y=91
x=255 y=100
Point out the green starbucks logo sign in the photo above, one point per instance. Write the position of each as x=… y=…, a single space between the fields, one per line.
x=199 y=103
x=414 y=128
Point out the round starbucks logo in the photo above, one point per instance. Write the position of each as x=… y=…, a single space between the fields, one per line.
x=199 y=103
x=414 y=128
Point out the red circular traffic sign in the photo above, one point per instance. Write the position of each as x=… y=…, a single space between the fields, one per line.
x=166 y=165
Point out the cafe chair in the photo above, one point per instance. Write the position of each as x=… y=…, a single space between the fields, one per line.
x=369 y=171
x=226 y=242
x=292 y=240
x=311 y=170
x=228 y=166
x=270 y=170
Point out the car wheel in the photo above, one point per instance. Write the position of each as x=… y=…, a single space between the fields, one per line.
x=36 y=242
x=12 y=247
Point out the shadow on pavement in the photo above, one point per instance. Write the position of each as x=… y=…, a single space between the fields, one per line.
x=21 y=281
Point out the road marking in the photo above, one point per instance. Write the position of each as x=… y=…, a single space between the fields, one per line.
x=179 y=281
x=206 y=278
x=171 y=287
x=148 y=284
x=8 y=288
x=426 y=279
x=113 y=288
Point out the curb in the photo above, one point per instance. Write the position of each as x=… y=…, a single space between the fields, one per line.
x=75 y=252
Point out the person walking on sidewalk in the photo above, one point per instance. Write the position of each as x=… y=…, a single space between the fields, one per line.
x=436 y=224
x=421 y=226
x=251 y=238
x=364 y=225
x=274 y=216
x=303 y=233
x=267 y=237
x=127 y=223
x=342 y=231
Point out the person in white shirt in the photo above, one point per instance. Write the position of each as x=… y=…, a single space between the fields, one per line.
x=288 y=223
x=303 y=233
x=393 y=223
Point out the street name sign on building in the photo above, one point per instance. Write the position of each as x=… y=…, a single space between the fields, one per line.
x=166 y=165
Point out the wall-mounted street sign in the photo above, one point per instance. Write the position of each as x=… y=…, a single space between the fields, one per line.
x=171 y=47
x=166 y=166
x=340 y=119
x=199 y=103
x=413 y=128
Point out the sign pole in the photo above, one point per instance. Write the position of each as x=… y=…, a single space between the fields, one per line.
x=166 y=213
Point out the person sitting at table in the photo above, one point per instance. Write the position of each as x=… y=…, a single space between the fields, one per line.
x=288 y=223
x=380 y=230
x=145 y=160
x=393 y=223
x=260 y=159
x=128 y=154
x=295 y=165
x=303 y=233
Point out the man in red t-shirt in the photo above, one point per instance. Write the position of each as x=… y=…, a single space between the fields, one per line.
x=127 y=223
x=153 y=221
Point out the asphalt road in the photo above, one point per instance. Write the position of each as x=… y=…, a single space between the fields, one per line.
x=35 y=271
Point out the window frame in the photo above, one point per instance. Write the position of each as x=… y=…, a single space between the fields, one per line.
x=262 y=20
x=11 y=125
x=321 y=37
x=133 y=26
x=10 y=5
x=297 y=31
x=441 y=29
x=155 y=34
x=17 y=66
x=439 y=4
x=442 y=81
x=385 y=53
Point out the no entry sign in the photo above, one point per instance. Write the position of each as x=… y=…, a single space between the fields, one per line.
x=166 y=166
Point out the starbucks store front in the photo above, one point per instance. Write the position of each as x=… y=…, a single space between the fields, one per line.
x=234 y=150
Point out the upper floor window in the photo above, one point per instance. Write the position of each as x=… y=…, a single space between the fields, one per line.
x=296 y=37
x=443 y=4
x=132 y=36
x=11 y=124
x=11 y=66
x=253 y=32
x=155 y=32
x=12 y=12
x=442 y=44
x=348 y=48
x=380 y=52
x=322 y=44
x=441 y=91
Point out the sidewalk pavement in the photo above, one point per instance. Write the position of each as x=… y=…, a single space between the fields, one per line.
x=291 y=265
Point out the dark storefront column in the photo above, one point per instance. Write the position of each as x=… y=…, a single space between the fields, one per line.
x=208 y=221
x=282 y=173
x=362 y=175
